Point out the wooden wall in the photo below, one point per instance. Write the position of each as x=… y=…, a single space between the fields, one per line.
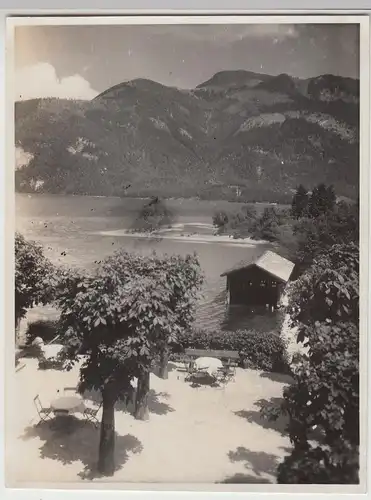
x=253 y=286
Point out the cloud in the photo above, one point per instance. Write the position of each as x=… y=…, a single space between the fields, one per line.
x=227 y=33
x=40 y=80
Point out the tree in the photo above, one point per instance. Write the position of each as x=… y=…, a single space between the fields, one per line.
x=121 y=318
x=322 y=200
x=152 y=216
x=299 y=203
x=33 y=278
x=220 y=219
x=266 y=227
x=323 y=402
x=313 y=236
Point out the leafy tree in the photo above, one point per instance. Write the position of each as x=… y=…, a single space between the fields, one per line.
x=220 y=219
x=323 y=402
x=152 y=216
x=33 y=278
x=122 y=318
x=313 y=236
x=266 y=227
x=299 y=203
x=322 y=200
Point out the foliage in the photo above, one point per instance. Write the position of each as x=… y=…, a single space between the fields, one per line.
x=120 y=318
x=316 y=465
x=152 y=216
x=313 y=236
x=120 y=315
x=266 y=227
x=323 y=401
x=321 y=201
x=34 y=275
x=263 y=351
x=45 y=329
x=298 y=238
x=299 y=203
x=248 y=223
x=220 y=219
x=328 y=291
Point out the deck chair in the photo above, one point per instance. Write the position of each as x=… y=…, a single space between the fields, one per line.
x=43 y=412
x=90 y=414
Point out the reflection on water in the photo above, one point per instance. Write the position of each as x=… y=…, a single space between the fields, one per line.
x=71 y=229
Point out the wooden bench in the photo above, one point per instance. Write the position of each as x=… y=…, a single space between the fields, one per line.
x=222 y=355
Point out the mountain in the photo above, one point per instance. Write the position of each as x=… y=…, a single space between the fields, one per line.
x=263 y=133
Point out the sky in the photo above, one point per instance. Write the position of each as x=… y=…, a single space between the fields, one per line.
x=81 y=61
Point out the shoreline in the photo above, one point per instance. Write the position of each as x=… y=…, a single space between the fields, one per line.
x=185 y=237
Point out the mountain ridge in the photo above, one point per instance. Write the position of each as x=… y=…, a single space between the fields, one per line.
x=264 y=133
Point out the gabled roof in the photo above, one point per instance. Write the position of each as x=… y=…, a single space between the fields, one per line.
x=272 y=263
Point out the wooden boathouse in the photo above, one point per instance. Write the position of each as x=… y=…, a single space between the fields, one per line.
x=260 y=282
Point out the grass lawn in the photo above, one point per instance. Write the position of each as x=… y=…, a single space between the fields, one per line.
x=194 y=435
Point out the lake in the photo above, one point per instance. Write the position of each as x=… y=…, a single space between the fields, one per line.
x=88 y=229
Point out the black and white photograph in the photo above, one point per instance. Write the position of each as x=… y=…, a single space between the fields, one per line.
x=187 y=233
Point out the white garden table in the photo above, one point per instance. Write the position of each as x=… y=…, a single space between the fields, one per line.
x=208 y=365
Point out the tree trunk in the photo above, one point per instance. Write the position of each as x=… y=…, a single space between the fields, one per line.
x=106 y=461
x=164 y=360
x=141 y=400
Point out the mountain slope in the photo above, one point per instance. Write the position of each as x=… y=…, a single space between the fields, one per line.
x=264 y=133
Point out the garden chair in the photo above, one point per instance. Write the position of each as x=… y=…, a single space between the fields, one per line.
x=226 y=374
x=191 y=371
x=43 y=412
x=90 y=414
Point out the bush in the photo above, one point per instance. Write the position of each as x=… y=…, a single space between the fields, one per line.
x=220 y=219
x=45 y=329
x=153 y=216
x=260 y=351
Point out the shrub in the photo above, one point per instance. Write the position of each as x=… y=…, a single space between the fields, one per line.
x=324 y=397
x=264 y=351
x=153 y=216
x=220 y=219
x=45 y=329
x=34 y=277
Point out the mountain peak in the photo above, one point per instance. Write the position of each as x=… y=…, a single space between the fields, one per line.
x=143 y=84
x=233 y=78
x=262 y=132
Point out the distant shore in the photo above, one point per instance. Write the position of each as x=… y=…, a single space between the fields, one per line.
x=180 y=232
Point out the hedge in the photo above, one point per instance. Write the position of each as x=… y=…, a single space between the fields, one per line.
x=44 y=328
x=259 y=351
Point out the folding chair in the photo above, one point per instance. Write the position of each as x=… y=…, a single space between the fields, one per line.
x=225 y=375
x=44 y=413
x=90 y=414
x=191 y=371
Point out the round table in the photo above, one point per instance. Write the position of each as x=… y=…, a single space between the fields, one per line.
x=68 y=404
x=208 y=365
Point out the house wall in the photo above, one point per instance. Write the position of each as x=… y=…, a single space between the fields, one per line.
x=253 y=286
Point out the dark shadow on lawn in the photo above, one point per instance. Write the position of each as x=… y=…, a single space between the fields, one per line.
x=244 y=479
x=155 y=402
x=78 y=440
x=258 y=461
x=278 y=377
x=256 y=417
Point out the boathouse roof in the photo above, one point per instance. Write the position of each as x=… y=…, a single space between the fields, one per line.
x=272 y=263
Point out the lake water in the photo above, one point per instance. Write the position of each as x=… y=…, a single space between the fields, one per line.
x=88 y=229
